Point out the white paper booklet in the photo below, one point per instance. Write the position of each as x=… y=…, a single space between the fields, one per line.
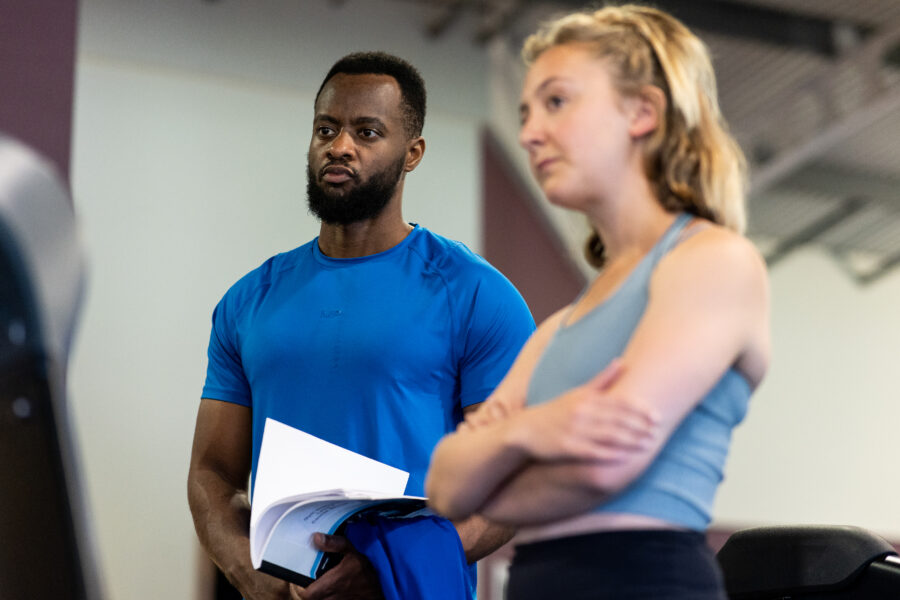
x=306 y=485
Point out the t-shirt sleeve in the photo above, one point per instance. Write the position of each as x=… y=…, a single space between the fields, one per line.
x=499 y=322
x=225 y=379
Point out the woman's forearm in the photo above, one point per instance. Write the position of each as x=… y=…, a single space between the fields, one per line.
x=468 y=466
x=540 y=493
x=584 y=442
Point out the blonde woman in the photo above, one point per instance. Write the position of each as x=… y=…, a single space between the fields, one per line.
x=607 y=439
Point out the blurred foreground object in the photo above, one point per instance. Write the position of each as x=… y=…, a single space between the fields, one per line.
x=45 y=548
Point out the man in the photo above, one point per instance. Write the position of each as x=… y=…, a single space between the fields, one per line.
x=377 y=336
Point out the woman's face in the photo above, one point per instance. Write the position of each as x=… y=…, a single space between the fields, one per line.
x=575 y=126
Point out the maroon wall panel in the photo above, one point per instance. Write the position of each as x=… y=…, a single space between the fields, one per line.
x=37 y=74
x=520 y=242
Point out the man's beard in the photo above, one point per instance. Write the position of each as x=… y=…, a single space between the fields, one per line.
x=363 y=201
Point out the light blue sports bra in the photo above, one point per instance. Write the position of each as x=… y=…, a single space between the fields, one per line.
x=680 y=484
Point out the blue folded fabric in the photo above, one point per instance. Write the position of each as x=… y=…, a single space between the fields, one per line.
x=417 y=558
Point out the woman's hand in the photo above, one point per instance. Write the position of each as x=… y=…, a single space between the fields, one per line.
x=489 y=412
x=589 y=423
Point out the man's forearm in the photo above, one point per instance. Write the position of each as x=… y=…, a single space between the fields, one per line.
x=481 y=537
x=221 y=516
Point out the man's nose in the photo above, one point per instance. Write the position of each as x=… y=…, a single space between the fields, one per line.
x=341 y=146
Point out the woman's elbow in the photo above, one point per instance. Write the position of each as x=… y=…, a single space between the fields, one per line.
x=439 y=489
x=606 y=480
x=442 y=501
x=433 y=493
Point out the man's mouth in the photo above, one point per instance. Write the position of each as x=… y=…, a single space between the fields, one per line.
x=336 y=174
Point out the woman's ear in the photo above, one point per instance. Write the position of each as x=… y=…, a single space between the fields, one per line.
x=646 y=111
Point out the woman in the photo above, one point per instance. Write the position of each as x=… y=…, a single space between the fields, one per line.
x=606 y=440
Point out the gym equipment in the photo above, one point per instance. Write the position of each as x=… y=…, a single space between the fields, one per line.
x=44 y=543
x=812 y=562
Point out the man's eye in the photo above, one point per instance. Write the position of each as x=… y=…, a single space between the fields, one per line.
x=324 y=131
x=368 y=133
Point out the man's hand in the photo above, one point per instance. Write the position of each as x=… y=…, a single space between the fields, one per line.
x=353 y=577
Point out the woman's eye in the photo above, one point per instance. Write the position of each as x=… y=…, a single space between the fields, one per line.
x=555 y=101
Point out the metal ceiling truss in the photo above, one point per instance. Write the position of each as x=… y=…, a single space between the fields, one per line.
x=814 y=229
x=862 y=231
x=789 y=134
x=828 y=37
x=867 y=61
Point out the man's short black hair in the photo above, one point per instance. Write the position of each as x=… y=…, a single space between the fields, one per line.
x=412 y=87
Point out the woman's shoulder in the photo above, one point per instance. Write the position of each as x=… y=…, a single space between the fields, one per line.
x=713 y=267
x=705 y=247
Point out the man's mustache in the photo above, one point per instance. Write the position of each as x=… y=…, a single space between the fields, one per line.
x=338 y=167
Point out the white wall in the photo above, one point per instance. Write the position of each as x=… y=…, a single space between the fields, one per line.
x=192 y=122
x=820 y=440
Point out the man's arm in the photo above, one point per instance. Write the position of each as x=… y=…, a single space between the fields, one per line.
x=217 y=495
x=481 y=537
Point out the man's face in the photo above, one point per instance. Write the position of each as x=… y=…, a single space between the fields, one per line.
x=358 y=150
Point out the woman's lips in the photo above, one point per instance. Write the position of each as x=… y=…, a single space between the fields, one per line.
x=543 y=164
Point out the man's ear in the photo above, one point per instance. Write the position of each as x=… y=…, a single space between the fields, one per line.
x=415 y=150
x=646 y=110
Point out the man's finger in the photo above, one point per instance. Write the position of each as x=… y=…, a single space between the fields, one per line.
x=331 y=543
x=325 y=586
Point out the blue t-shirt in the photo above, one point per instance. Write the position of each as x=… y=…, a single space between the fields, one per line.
x=377 y=354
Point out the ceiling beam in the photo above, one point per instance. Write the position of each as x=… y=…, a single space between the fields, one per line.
x=887 y=265
x=496 y=15
x=834 y=180
x=789 y=160
x=766 y=24
x=815 y=229
x=448 y=11
x=812 y=33
x=820 y=35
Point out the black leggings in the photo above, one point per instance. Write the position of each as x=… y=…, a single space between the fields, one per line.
x=619 y=565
